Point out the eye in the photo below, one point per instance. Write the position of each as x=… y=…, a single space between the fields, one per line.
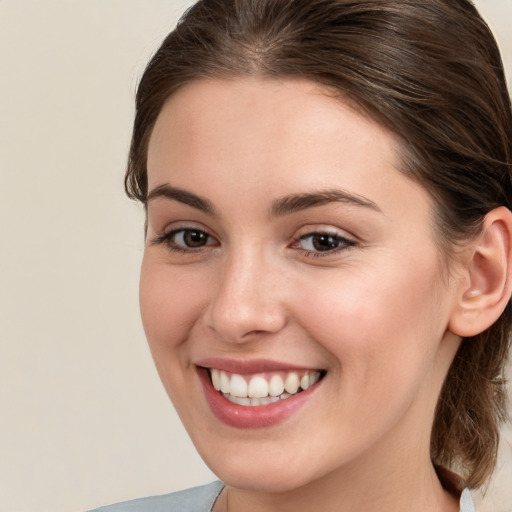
x=192 y=238
x=322 y=242
x=186 y=239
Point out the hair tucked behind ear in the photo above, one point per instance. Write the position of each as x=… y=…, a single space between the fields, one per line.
x=430 y=71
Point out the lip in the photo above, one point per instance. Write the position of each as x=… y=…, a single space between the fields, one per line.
x=249 y=366
x=259 y=416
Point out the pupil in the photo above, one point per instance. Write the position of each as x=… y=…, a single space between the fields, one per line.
x=325 y=242
x=195 y=238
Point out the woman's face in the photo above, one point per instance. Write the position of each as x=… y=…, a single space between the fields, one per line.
x=285 y=250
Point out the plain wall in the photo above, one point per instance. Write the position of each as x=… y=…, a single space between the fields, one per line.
x=84 y=420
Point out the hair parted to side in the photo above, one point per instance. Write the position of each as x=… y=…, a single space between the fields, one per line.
x=428 y=70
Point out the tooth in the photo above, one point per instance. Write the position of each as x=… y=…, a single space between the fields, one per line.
x=264 y=400
x=215 y=378
x=313 y=378
x=258 y=387
x=239 y=400
x=259 y=391
x=275 y=386
x=224 y=383
x=292 y=383
x=238 y=386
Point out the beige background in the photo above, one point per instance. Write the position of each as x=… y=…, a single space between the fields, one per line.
x=83 y=418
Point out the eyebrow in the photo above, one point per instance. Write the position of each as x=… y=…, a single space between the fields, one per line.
x=282 y=206
x=297 y=202
x=183 y=196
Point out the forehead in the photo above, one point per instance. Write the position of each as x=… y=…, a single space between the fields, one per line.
x=283 y=125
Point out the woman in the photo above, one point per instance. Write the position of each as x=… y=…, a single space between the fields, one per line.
x=327 y=273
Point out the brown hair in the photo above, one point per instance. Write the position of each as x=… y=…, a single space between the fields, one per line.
x=430 y=71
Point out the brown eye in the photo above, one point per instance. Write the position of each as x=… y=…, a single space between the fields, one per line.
x=184 y=239
x=323 y=242
x=193 y=238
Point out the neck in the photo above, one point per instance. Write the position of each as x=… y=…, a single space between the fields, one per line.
x=416 y=491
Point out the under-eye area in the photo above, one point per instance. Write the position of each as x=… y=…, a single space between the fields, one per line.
x=263 y=388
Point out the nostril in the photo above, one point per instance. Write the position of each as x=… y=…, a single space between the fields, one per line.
x=244 y=324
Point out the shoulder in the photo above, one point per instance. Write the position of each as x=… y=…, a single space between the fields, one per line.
x=196 y=499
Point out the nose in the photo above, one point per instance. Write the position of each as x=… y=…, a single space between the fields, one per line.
x=247 y=298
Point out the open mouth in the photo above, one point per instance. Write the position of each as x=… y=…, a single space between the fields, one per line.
x=263 y=388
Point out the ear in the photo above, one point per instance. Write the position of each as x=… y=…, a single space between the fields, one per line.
x=486 y=285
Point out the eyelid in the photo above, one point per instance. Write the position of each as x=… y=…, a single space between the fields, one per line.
x=166 y=237
x=346 y=240
x=179 y=225
x=327 y=229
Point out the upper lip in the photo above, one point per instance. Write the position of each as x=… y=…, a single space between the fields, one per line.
x=249 y=366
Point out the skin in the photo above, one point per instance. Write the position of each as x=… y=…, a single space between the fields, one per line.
x=374 y=312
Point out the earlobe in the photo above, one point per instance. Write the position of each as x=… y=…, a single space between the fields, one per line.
x=486 y=287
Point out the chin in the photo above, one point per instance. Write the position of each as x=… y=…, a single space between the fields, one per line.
x=262 y=473
x=267 y=479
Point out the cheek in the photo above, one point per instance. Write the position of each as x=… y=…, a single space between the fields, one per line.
x=376 y=325
x=169 y=302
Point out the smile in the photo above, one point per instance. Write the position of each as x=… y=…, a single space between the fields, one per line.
x=257 y=393
x=262 y=389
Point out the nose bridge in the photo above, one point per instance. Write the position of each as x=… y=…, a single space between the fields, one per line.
x=247 y=296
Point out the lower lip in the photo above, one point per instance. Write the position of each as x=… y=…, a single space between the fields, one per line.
x=257 y=416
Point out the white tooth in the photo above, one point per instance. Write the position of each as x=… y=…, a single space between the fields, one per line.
x=258 y=387
x=251 y=402
x=224 y=383
x=239 y=400
x=284 y=396
x=291 y=384
x=304 y=382
x=215 y=379
x=238 y=386
x=275 y=386
x=314 y=377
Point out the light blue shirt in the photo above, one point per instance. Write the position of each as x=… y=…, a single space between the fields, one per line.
x=466 y=502
x=202 y=499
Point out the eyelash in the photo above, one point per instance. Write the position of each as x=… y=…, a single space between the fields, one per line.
x=167 y=240
x=344 y=244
